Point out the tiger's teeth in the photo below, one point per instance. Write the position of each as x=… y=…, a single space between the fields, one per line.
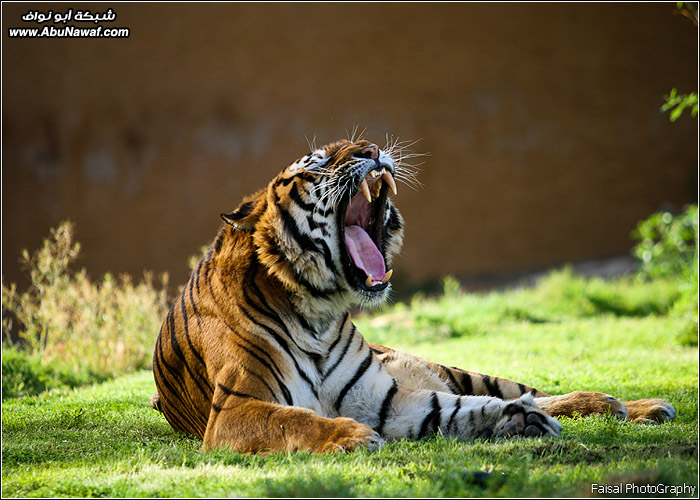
x=387 y=276
x=365 y=190
x=389 y=180
x=375 y=173
x=368 y=281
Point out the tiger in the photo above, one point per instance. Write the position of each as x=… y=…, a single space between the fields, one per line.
x=259 y=354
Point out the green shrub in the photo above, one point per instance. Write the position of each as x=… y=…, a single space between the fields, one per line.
x=72 y=330
x=668 y=247
x=667 y=244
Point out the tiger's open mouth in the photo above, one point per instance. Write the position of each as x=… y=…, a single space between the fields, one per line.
x=363 y=229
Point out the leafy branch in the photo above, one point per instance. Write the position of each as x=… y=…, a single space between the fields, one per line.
x=677 y=103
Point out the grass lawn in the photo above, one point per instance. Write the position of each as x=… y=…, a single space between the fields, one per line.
x=104 y=440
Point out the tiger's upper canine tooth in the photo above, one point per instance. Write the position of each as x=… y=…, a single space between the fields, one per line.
x=389 y=180
x=368 y=281
x=365 y=190
x=387 y=276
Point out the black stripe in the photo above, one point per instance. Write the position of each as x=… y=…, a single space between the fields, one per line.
x=189 y=340
x=271 y=313
x=218 y=242
x=196 y=275
x=178 y=351
x=231 y=392
x=276 y=336
x=296 y=197
x=285 y=181
x=314 y=224
x=207 y=270
x=180 y=423
x=309 y=207
x=523 y=389
x=285 y=346
x=319 y=293
x=360 y=371
x=246 y=340
x=458 y=405
x=264 y=382
x=342 y=354
x=467 y=388
x=191 y=290
x=271 y=366
x=305 y=324
x=185 y=418
x=492 y=389
x=183 y=394
x=386 y=404
x=432 y=419
x=334 y=343
x=305 y=241
x=393 y=223
x=285 y=392
x=263 y=308
x=452 y=383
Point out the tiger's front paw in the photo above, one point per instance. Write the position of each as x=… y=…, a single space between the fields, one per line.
x=348 y=435
x=650 y=411
x=523 y=417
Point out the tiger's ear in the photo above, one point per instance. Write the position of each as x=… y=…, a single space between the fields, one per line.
x=247 y=214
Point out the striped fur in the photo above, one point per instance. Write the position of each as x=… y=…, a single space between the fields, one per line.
x=258 y=353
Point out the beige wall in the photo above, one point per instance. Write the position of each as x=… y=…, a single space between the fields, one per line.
x=542 y=122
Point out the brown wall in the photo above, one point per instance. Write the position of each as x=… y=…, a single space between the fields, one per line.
x=542 y=122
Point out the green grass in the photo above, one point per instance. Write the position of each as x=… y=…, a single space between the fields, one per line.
x=567 y=333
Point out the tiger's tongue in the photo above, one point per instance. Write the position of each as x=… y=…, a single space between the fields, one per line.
x=364 y=252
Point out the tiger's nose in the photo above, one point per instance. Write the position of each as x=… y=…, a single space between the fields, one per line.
x=371 y=152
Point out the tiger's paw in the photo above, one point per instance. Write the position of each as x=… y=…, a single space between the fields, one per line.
x=348 y=435
x=650 y=411
x=523 y=417
x=583 y=403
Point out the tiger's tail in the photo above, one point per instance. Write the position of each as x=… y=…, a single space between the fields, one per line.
x=155 y=402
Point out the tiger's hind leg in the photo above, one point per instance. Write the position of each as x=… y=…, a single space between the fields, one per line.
x=583 y=404
x=642 y=411
x=650 y=411
x=421 y=374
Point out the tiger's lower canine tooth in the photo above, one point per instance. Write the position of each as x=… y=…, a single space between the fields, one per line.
x=390 y=180
x=368 y=281
x=387 y=276
x=365 y=190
